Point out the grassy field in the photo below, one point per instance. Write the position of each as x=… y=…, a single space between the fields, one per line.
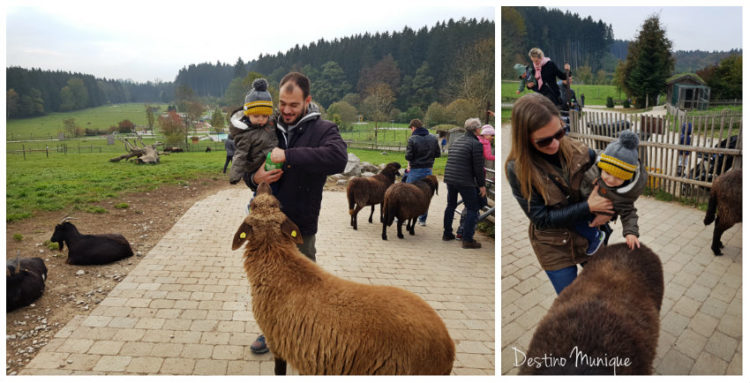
x=78 y=182
x=47 y=127
x=595 y=94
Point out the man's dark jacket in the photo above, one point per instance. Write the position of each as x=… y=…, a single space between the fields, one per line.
x=422 y=149
x=465 y=165
x=314 y=149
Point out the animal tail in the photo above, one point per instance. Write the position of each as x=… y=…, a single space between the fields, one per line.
x=389 y=211
x=711 y=211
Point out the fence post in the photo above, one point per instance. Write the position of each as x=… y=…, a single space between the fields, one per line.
x=24 y=151
x=46 y=148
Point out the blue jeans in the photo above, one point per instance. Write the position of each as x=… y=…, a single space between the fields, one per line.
x=416 y=175
x=471 y=201
x=562 y=278
x=590 y=233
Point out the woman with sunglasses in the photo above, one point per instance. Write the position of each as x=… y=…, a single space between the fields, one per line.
x=545 y=169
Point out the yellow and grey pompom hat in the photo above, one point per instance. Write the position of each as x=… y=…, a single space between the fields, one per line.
x=620 y=158
x=258 y=100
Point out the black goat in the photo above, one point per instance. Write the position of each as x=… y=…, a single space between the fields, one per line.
x=363 y=191
x=87 y=249
x=724 y=206
x=24 y=280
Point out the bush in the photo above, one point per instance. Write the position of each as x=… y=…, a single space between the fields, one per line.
x=626 y=104
x=610 y=102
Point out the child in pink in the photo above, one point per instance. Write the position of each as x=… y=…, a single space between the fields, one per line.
x=485 y=137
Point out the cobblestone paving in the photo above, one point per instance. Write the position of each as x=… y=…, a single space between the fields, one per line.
x=186 y=308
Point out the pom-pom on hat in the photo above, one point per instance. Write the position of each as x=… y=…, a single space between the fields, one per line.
x=620 y=158
x=258 y=100
x=488 y=129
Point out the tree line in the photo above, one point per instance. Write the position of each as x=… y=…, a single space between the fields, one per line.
x=390 y=75
x=35 y=92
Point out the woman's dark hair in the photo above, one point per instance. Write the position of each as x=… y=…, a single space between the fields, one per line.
x=298 y=79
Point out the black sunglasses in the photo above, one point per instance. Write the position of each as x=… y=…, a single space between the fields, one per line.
x=542 y=142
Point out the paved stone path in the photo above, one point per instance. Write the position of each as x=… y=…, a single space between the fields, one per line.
x=185 y=309
x=701 y=315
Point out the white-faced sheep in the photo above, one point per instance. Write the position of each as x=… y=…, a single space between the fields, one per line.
x=606 y=321
x=724 y=205
x=322 y=324
x=24 y=281
x=407 y=202
x=90 y=249
x=364 y=191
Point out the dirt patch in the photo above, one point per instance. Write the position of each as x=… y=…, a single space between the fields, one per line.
x=76 y=290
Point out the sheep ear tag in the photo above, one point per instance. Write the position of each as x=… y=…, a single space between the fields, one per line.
x=290 y=229
x=241 y=235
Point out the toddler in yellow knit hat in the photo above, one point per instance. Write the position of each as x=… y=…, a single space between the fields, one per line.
x=621 y=179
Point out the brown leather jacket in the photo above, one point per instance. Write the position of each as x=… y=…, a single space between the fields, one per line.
x=551 y=233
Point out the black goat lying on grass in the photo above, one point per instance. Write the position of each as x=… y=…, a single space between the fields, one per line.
x=24 y=280
x=90 y=249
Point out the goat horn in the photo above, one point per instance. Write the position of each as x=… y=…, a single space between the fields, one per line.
x=68 y=218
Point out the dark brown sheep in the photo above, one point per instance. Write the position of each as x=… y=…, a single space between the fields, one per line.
x=322 y=324
x=724 y=205
x=605 y=322
x=363 y=191
x=407 y=202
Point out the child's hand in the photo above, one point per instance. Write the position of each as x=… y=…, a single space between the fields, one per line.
x=278 y=155
x=632 y=241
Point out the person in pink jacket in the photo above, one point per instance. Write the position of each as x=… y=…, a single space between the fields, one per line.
x=486 y=136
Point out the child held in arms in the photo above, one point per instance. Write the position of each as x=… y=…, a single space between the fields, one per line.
x=621 y=179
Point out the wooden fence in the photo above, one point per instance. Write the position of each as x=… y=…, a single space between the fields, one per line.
x=683 y=154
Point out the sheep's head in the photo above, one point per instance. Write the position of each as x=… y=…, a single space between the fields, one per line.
x=266 y=220
x=391 y=168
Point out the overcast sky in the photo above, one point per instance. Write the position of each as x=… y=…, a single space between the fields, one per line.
x=148 y=40
x=689 y=28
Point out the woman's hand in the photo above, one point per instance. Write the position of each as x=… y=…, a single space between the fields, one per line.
x=599 y=204
x=261 y=175
x=632 y=241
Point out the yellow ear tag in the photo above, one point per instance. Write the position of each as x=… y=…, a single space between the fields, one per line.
x=243 y=235
x=294 y=233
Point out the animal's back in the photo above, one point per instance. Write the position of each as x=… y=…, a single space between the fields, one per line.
x=730 y=184
x=342 y=327
x=99 y=249
x=404 y=201
x=609 y=313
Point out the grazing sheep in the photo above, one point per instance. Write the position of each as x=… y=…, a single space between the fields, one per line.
x=87 y=249
x=605 y=322
x=724 y=205
x=407 y=202
x=322 y=324
x=24 y=281
x=363 y=191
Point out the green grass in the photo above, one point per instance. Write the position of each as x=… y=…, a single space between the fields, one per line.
x=79 y=182
x=47 y=127
x=595 y=94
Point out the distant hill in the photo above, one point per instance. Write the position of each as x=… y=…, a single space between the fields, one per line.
x=685 y=61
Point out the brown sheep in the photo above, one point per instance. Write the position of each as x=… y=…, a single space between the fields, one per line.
x=363 y=191
x=407 y=202
x=724 y=205
x=322 y=324
x=605 y=322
